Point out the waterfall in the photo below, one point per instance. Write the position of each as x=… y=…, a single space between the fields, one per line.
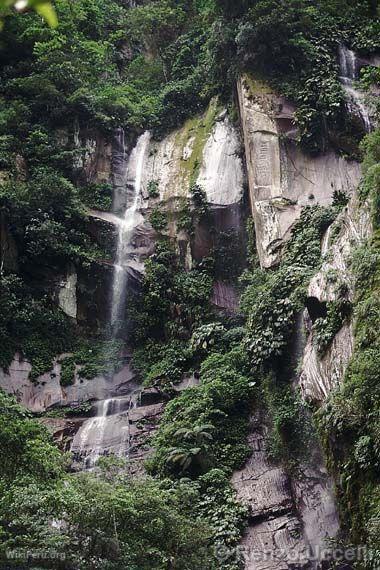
x=125 y=232
x=349 y=73
x=108 y=431
x=348 y=64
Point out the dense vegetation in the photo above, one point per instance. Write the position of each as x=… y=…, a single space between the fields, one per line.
x=293 y=45
x=103 y=522
x=153 y=66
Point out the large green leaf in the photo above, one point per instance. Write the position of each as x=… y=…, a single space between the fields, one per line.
x=43 y=7
x=46 y=10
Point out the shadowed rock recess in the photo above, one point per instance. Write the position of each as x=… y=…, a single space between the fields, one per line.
x=189 y=275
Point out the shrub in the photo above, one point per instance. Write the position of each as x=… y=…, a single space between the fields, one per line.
x=153 y=189
x=158 y=220
x=326 y=328
x=97 y=196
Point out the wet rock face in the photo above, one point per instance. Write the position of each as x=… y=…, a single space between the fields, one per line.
x=209 y=145
x=67 y=293
x=320 y=375
x=47 y=391
x=289 y=518
x=282 y=179
x=221 y=171
x=225 y=297
x=350 y=65
x=94 y=161
x=63 y=430
x=124 y=432
x=121 y=427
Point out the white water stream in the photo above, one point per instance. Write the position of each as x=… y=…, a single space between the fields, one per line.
x=126 y=227
x=106 y=433
x=349 y=74
x=109 y=432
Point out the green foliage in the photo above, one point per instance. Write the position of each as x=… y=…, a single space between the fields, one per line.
x=173 y=301
x=203 y=430
x=193 y=211
x=199 y=200
x=65 y=65
x=26 y=447
x=46 y=220
x=185 y=219
x=158 y=219
x=220 y=402
x=305 y=246
x=155 y=57
x=42 y=210
x=109 y=521
x=370 y=185
x=340 y=199
x=153 y=190
x=40 y=331
x=325 y=328
x=43 y=7
x=84 y=409
x=272 y=299
x=156 y=23
x=176 y=56
x=162 y=364
x=299 y=58
x=271 y=315
x=92 y=358
x=291 y=429
x=153 y=66
x=33 y=326
x=206 y=337
x=229 y=254
x=67 y=371
x=226 y=517
x=97 y=196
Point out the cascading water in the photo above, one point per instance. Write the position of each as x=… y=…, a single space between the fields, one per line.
x=348 y=63
x=349 y=73
x=108 y=431
x=126 y=227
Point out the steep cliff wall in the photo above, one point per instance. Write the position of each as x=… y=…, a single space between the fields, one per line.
x=321 y=373
x=189 y=284
x=282 y=179
x=291 y=516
